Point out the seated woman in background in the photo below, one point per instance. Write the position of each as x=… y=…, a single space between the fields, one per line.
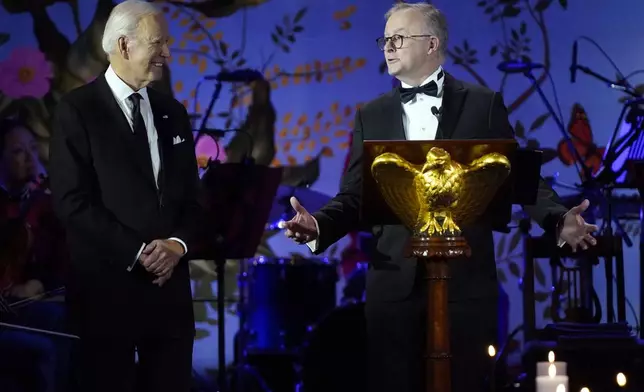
x=32 y=259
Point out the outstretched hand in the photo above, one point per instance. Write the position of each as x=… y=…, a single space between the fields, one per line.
x=302 y=228
x=575 y=231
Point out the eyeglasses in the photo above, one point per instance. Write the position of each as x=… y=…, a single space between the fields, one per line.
x=396 y=40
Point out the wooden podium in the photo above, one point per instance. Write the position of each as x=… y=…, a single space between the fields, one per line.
x=434 y=188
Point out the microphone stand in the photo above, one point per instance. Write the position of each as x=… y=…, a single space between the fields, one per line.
x=615 y=84
x=211 y=105
x=592 y=184
x=586 y=268
x=578 y=159
x=37 y=330
x=6 y=307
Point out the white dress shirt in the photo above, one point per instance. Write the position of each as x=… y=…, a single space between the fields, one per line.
x=122 y=94
x=418 y=120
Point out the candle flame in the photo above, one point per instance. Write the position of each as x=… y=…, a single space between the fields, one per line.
x=561 y=388
x=551 y=356
x=552 y=370
x=491 y=351
x=584 y=389
x=621 y=379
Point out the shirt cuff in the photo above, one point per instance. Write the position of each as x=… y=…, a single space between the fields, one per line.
x=560 y=241
x=183 y=244
x=136 y=259
x=315 y=244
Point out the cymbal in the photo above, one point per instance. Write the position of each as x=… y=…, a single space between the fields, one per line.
x=282 y=210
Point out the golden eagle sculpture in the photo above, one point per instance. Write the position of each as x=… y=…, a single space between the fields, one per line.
x=420 y=195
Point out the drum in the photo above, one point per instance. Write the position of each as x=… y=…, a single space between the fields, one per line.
x=356 y=285
x=334 y=356
x=282 y=298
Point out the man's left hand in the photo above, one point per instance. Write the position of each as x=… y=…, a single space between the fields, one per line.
x=161 y=256
x=575 y=231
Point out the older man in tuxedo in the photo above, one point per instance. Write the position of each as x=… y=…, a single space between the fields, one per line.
x=124 y=181
x=414 y=45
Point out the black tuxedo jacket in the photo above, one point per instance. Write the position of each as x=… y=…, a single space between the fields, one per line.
x=469 y=112
x=104 y=192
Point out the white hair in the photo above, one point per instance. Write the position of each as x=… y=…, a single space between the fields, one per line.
x=434 y=19
x=123 y=21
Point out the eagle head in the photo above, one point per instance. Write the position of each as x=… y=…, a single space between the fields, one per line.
x=436 y=158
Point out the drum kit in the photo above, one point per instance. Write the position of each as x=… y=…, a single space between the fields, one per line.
x=292 y=336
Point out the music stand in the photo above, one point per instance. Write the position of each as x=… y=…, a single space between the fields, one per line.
x=520 y=187
x=237 y=199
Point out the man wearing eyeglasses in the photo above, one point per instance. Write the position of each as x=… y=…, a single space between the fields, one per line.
x=414 y=45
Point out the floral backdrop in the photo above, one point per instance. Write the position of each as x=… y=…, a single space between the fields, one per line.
x=320 y=62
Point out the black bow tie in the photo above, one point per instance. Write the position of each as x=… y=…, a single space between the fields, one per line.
x=407 y=94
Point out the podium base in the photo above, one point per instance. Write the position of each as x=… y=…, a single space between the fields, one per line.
x=435 y=253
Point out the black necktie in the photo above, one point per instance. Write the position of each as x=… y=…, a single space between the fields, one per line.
x=140 y=132
x=407 y=94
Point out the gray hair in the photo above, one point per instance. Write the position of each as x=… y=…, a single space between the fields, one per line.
x=434 y=19
x=123 y=21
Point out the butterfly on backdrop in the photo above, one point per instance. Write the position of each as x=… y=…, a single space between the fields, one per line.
x=582 y=140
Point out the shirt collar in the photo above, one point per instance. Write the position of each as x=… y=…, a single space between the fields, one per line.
x=119 y=88
x=433 y=77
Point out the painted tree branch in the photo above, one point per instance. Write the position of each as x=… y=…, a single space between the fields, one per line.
x=305 y=74
x=468 y=68
x=546 y=60
x=504 y=79
x=243 y=33
x=196 y=52
x=195 y=22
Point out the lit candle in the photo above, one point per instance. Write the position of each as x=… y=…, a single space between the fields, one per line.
x=621 y=379
x=552 y=382
x=542 y=367
x=491 y=352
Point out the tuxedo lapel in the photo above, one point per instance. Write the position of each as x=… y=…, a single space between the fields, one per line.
x=140 y=159
x=392 y=118
x=453 y=98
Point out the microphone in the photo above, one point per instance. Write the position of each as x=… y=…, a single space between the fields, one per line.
x=437 y=112
x=241 y=75
x=573 y=65
x=512 y=67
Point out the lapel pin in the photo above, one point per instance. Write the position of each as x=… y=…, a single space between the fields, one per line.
x=165 y=116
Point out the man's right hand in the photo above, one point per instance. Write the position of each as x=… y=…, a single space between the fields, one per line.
x=160 y=280
x=302 y=228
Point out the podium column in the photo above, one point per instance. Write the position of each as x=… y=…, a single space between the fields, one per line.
x=436 y=253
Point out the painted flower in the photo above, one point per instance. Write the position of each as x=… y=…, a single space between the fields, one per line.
x=209 y=148
x=26 y=73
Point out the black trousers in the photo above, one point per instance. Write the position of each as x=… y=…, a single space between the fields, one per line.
x=107 y=364
x=396 y=340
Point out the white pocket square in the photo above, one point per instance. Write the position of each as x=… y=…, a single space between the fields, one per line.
x=177 y=140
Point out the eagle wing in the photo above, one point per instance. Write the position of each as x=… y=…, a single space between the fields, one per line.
x=395 y=178
x=480 y=182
